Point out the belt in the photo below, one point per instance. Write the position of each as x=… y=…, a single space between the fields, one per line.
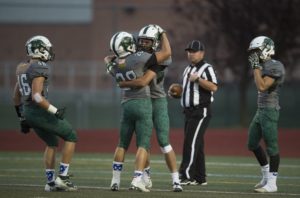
x=197 y=106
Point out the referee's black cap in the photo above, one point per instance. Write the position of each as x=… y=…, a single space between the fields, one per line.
x=195 y=45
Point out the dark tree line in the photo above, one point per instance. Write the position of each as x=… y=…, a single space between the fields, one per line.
x=228 y=26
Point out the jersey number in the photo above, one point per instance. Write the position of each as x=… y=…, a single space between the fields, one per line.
x=24 y=85
x=129 y=75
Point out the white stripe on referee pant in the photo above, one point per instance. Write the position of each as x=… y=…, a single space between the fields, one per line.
x=193 y=143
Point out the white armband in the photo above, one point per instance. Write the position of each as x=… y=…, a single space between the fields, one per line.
x=37 y=97
x=52 y=109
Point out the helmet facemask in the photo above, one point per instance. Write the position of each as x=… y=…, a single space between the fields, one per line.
x=146 y=44
x=40 y=47
x=149 y=32
x=122 y=44
x=263 y=46
x=128 y=45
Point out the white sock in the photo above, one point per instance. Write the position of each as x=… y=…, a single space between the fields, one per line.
x=147 y=172
x=63 y=169
x=272 y=178
x=137 y=175
x=50 y=174
x=117 y=168
x=175 y=177
x=265 y=171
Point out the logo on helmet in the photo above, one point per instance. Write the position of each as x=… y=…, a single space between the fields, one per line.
x=39 y=47
x=122 y=44
x=264 y=45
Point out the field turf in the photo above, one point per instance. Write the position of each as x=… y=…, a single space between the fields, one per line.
x=22 y=175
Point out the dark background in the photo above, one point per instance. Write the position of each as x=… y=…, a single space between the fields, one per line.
x=80 y=31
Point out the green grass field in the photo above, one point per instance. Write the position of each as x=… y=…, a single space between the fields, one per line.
x=22 y=175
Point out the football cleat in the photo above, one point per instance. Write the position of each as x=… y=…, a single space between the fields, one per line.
x=147 y=182
x=262 y=183
x=50 y=187
x=266 y=189
x=138 y=185
x=114 y=187
x=264 y=180
x=177 y=187
x=64 y=183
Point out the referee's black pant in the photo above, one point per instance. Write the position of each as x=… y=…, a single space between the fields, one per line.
x=192 y=166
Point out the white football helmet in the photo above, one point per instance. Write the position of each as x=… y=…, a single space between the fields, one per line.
x=39 y=47
x=123 y=44
x=265 y=45
x=152 y=33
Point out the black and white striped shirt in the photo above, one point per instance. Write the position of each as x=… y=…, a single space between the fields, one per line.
x=193 y=94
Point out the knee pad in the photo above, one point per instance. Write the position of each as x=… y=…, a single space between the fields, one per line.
x=166 y=149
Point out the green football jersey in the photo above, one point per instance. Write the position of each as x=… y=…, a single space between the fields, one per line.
x=157 y=84
x=26 y=72
x=270 y=97
x=132 y=68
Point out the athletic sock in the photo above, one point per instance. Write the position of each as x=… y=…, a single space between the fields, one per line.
x=117 y=168
x=175 y=177
x=265 y=171
x=63 y=169
x=272 y=179
x=147 y=171
x=137 y=175
x=50 y=174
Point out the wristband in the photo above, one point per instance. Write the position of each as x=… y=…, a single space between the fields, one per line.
x=197 y=79
x=52 y=109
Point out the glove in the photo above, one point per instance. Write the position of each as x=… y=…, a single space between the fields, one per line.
x=110 y=68
x=254 y=60
x=60 y=113
x=25 y=127
x=159 y=29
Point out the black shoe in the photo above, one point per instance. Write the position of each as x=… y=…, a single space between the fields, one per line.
x=195 y=183
x=185 y=182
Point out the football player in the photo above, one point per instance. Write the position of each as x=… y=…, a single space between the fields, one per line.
x=268 y=77
x=136 y=103
x=149 y=41
x=36 y=112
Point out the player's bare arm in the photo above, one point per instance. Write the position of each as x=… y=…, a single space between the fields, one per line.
x=165 y=51
x=262 y=83
x=139 y=82
x=37 y=88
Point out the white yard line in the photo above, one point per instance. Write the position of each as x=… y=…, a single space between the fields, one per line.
x=152 y=161
x=168 y=190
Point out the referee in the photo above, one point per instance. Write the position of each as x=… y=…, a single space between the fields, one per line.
x=199 y=84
